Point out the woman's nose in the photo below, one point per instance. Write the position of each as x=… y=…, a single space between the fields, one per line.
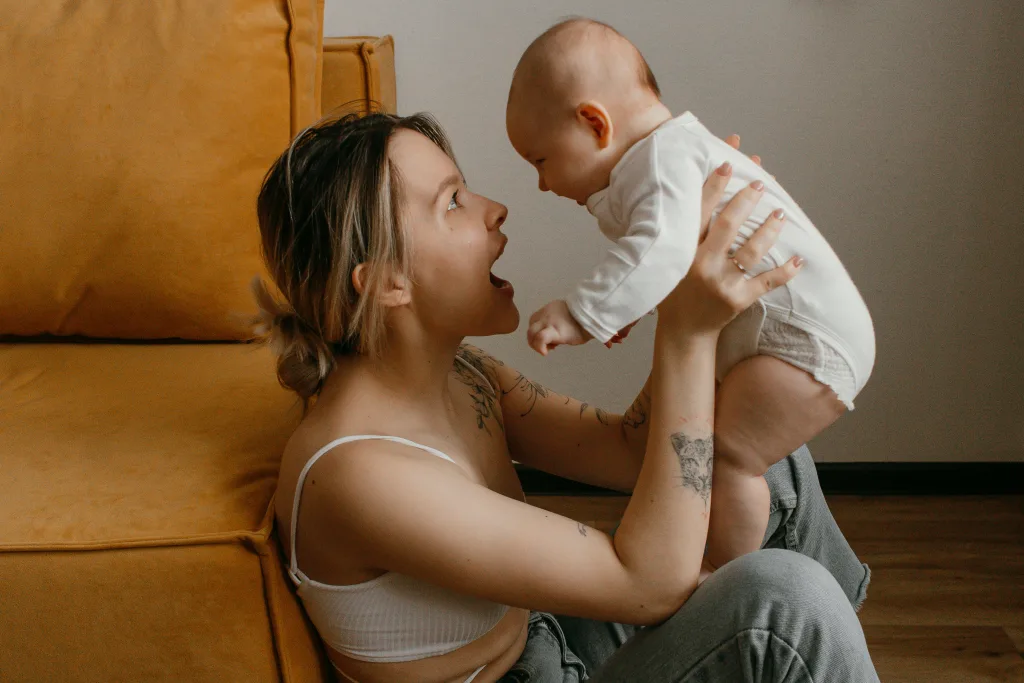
x=497 y=219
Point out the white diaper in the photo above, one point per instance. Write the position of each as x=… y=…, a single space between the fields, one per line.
x=755 y=333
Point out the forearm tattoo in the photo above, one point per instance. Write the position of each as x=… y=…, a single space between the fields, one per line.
x=532 y=389
x=696 y=457
x=485 y=400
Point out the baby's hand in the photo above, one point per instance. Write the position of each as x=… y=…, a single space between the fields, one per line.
x=621 y=334
x=554 y=325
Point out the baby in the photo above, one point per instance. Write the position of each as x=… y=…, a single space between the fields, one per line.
x=585 y=110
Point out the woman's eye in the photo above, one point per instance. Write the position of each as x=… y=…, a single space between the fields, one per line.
x=453 y=203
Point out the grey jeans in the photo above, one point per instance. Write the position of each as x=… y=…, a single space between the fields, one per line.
x=784 y=614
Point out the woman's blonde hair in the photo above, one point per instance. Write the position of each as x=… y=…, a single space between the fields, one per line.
x=332 y=201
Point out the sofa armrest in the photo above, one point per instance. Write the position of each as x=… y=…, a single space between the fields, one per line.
x=359 y=70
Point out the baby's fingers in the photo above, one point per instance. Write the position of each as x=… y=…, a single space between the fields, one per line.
x=546 y=339
x=776 y=277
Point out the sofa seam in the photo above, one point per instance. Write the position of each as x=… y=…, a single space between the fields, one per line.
x=257 y=537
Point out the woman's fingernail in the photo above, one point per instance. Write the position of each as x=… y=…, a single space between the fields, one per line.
x=725 y=169
x=798 y=261
x=757 y=185
x=779 y=213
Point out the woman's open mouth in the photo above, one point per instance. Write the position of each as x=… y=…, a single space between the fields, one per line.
x=503 y=286
x=498 y=283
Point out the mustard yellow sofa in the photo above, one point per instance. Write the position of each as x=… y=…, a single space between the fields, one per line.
x=139 y=431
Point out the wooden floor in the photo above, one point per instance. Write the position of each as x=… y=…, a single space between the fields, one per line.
x=946 y=600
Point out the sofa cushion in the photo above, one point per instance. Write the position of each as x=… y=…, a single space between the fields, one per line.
x=359 y=75
x=114 y=444
x=135 y=524
x=135 y=138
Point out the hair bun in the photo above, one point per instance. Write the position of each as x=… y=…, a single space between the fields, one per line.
x=304 y=358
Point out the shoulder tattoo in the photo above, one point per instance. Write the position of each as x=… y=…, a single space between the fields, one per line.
x=485 y=399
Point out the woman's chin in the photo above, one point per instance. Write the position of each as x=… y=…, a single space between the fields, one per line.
x=510 y=322
x=503 y=320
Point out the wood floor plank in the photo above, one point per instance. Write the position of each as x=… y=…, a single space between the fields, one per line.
x=956 y=596
x=1017 y=636
x=939 y=560
x=941 y=654
x=952 y=519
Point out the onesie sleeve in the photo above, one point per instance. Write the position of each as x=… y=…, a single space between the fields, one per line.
x=661 y=209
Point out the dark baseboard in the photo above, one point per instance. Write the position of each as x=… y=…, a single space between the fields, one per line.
x=851 y=478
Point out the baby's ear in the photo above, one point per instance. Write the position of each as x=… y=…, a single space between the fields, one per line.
x=598 y=120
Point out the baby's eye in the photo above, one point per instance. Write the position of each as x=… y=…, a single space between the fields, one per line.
x=453 y=203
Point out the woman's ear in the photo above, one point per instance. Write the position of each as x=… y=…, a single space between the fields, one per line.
x=359 y=278
x=397 y=293
x=598 y=120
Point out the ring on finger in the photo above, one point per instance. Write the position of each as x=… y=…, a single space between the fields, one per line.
x=738 y=265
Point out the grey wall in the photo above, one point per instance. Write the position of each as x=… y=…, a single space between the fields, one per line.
x=897 y=126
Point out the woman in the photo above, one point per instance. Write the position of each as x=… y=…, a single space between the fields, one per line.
x=408 y=537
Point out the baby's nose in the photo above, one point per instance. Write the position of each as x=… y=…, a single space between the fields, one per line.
x=541 y=184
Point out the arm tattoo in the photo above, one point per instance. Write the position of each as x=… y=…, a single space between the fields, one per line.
x=481 y=393
x=602 y=416
x=532 y=389
x=581 y=528
x=696 y=457
x=636 y=415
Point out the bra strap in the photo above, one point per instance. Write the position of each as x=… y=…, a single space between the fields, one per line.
x=293 y=565
x=476 y=371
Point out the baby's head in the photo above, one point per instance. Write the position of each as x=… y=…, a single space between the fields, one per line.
x=579 y=98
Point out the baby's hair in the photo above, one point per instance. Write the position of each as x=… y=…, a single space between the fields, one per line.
x=644 y=72
x=331 y=201
x=551 y=39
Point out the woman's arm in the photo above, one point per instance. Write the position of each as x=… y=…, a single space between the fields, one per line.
x=664 y=527
x=559 y=434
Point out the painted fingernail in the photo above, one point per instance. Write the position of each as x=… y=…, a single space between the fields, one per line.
x=725 y=169
x=798 y=261
x=779 y=213
x=757 y=185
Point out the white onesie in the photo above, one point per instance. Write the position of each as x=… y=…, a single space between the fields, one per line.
x=651 y=212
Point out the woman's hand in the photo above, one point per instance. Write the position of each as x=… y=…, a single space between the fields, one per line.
x=715 y=289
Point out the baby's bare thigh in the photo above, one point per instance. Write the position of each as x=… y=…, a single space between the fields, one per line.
x=766 y=409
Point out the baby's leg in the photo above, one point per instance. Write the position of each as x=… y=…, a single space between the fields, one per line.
x=765 y=409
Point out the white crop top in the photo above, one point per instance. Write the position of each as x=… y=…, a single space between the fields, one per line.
x=393 y=617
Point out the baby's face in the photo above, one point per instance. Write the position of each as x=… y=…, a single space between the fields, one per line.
x=565 y=153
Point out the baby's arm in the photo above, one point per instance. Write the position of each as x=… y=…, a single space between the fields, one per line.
x=662 y=208
x=553 y=326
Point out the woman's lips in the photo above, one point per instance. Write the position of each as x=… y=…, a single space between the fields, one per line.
x=501 y=285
